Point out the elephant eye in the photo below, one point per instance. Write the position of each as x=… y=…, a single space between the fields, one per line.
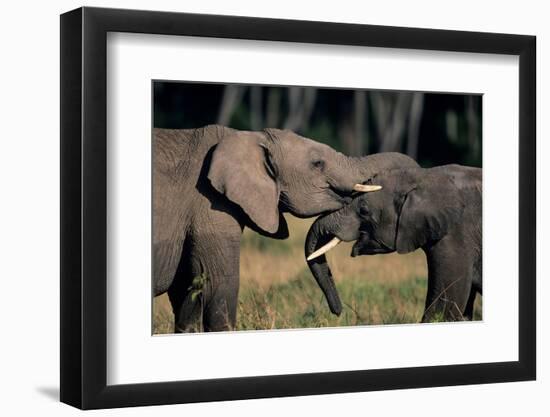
x=318 y=163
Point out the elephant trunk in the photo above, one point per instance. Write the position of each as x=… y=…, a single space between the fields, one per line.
x=338 y=226
x=316 y=238
x=349 y=175
x=371 y=165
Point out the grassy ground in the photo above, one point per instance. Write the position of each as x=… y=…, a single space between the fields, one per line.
x=278 y=291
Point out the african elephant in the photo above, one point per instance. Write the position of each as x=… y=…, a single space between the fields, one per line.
x=436 y=209
x=209 y=183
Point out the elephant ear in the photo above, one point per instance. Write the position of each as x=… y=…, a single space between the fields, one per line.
x=429 y=210
x=242 y=170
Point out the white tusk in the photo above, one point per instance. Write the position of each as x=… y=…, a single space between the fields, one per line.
x=366 y=188
x=324 y=249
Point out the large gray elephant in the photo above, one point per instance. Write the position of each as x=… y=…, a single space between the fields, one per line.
x=209 y=183
x=436 y=209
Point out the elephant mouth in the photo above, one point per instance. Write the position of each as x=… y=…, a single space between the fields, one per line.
x=368 y=246
x=358 y=250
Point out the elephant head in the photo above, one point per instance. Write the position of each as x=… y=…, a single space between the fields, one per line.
x=274 y=171
x=414 y=208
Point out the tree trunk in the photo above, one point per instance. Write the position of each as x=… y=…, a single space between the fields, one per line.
x=473 y=126
x=391 y=141
x=256 y=108
x=360 y=116
x=417 y=107
x=301 y=102
x=232 y=96
x=273 y=105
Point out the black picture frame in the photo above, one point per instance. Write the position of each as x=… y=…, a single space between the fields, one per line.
x=84 y=207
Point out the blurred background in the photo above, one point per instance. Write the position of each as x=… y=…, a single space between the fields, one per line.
x=277 y=290
x=433 y=128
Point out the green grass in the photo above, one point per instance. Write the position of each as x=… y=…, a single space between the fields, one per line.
x=299 y=303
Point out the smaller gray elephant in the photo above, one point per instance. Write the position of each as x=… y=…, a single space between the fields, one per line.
x=437 y=209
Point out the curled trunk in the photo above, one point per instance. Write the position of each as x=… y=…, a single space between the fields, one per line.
x=342 y=224
x=316 y=238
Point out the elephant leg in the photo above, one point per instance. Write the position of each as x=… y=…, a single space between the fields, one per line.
x=449 y=282
x=205 y=294
x=469 y=310
x=476 y=288
x=446 y=301
x=218 y=266
x=186 y=307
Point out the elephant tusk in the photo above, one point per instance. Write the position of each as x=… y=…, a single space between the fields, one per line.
x=362 y=188
x=324 y=249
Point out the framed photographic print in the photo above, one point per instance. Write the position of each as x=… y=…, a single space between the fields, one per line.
x=218 y=172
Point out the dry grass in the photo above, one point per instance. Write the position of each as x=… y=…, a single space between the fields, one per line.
x=278 y=291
